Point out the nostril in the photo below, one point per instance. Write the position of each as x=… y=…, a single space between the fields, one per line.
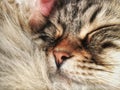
x=60 y=57
x=64 y=58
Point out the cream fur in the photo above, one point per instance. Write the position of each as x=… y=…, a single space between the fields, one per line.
x=22 y=63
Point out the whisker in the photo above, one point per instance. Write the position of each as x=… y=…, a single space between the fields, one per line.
x=108 y=79
x=108 y=64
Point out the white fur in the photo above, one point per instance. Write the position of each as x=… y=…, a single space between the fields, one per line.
x=22 y=63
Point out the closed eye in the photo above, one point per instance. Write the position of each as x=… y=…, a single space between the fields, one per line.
x=101 y=28
x=108 y=45
x=46 y=37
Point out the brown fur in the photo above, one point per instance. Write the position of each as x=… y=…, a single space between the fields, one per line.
x=90 y=44
x=87 y=30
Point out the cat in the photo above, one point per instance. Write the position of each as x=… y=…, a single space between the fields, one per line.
x=80 y=42
x=83 y=44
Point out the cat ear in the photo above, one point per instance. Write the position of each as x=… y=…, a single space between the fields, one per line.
x=39 y=11
x=45 y=6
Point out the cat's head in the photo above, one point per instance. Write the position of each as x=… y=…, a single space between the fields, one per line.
x=83 y=43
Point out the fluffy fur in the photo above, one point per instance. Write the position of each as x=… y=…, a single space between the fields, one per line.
x=22 y=63
x=88 y=29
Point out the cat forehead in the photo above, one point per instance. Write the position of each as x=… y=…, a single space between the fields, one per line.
x=77 y=15
x=71 y=12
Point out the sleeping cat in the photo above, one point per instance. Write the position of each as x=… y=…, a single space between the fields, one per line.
x=83 y=45
x=81 y=42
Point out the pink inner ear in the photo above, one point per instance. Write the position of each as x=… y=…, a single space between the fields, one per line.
x=44 y=6
x=40 y=9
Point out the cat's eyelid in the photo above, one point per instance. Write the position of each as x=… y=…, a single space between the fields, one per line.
x=59 y=28
x=89 y=35
x=59 y=31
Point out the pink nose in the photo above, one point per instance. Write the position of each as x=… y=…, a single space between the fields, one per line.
x=60 y=57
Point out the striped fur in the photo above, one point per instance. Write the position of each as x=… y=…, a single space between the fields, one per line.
x=91 y=29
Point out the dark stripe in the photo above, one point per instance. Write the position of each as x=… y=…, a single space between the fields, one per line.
x=61 y=3
x=75 y=12
x=95 y=14
x=86 y=8
x=108 y=45
x=48 y=23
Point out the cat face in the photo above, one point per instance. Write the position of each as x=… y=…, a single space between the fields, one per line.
x=83 y=44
